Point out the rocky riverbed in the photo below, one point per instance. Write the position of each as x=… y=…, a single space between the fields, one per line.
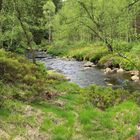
x=86 y=73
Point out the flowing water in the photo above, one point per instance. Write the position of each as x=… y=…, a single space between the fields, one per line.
x=77 y=73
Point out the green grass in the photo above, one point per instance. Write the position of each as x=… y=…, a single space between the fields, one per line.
x=75 y=120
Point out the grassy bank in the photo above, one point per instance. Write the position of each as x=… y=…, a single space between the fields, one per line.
x=98 y=53
x=37 y=104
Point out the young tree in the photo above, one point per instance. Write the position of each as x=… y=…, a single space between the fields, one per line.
x=49 y=12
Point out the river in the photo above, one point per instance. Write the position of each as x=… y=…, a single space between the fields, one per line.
x=77 y=73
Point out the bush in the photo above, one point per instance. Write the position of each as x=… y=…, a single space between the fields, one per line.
x=103 y=97
x=20 y=76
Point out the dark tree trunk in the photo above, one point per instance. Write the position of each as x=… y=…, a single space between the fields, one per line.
x=110 y=48
x=1 y=32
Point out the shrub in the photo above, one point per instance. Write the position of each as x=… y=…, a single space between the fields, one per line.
x=127 y=64
x=20 y=76
x=103 y=97
x=29 y=79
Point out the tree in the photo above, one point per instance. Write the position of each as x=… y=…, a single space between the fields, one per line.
x=27 y=34
x=49 y=12
x=96 y=20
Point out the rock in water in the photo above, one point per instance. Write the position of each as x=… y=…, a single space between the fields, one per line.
x=120 y=70
x=135 y=78
x=134 y=72
x=89 y=64
x=107 y=71
x=86 y=68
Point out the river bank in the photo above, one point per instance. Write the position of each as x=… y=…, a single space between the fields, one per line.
x=99 y=55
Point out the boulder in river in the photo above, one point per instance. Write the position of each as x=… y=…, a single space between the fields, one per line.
x=89 y=64
x=134 y=72
x=135 y=78
x=108 y=71
x=120 y=70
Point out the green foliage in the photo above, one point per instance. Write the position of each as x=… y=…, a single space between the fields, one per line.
x=12 y=69
x=136 y=49
x=58 y=51
x=81 y=30
x=123 y=46
x=23 y=77
x=74 y=114
x=93 y=20
x=103 y=98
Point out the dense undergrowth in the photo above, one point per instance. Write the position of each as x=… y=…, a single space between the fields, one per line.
x=98 y=53
x=37 y=104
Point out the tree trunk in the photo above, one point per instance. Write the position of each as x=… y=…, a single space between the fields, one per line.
x=1 y=6
x=50 y=33
x=110 y=48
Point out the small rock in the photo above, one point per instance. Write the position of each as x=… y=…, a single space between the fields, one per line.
x=68 y=78
x=86 y=68
x=109 y=84
x=120 y=70
x=64 y=57
x=135 y=78
x=89 y=64
x=107 y=71
x=134 y=72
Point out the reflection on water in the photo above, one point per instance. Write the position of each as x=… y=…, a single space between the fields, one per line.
x=83 y=77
